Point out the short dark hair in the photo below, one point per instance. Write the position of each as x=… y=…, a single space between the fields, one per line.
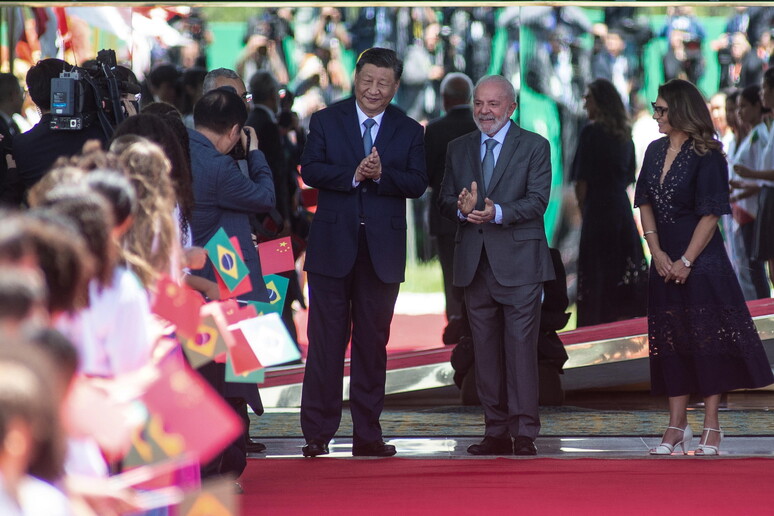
x=28 y=393
x=8 y=85
x=39 y=80
x=164 y=73
x=20 y=290
x=219 y=110
x=263 y=86
x=382 y=58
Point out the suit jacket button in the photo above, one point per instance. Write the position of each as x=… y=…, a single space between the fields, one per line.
x=365 y=189
x=480 y=230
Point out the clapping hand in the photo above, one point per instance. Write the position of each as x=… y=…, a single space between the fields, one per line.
x=466 y=201
x=370 y=167
x=482 y=217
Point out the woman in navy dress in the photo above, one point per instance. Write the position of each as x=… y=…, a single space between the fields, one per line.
x=702 y=338
x=612 y=270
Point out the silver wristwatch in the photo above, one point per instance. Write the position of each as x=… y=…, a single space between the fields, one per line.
x=686 y=261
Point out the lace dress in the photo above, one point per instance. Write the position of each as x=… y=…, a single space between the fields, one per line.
x=702 y=338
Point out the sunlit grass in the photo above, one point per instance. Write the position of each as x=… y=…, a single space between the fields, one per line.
x=423 y=277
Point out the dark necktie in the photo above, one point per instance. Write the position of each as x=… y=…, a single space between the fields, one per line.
x=368 y=142
x=487 y=166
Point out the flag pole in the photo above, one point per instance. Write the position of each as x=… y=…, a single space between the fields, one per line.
x=11 y=43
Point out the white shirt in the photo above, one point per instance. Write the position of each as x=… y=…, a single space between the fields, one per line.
x=362 y=117
x=500 y=137
x=748 y=154
x=113 y=334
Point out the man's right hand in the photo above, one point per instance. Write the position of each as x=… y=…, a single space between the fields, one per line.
x=249 y=138
x=466 y=201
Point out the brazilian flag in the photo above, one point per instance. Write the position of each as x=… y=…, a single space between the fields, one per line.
x=227 y=262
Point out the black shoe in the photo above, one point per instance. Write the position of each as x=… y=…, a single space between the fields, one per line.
x=374 y=449
x=492 y=446
x=314 y=448
x=254 y=447
x=524 y=446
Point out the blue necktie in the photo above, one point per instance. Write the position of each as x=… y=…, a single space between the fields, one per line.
x=368 y=142
x=487 y=166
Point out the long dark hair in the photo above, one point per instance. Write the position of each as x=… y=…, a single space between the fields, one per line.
x=688 y=112
x=611 y=113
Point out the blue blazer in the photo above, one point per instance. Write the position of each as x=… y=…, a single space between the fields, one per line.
x=333 y=150
x=225 y=197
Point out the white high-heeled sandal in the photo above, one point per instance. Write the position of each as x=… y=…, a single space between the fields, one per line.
x=667 y=448
x=707 y=450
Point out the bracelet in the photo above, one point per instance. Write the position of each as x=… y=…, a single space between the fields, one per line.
x=649 y=232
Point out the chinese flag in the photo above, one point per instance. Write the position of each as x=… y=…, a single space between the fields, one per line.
x=179 y=305
x=276 y=256
x=179 y=401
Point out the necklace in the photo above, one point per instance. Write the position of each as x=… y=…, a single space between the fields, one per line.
x=673 y=149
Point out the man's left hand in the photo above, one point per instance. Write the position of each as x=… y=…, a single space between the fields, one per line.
x=485 y=215
x=371 y=166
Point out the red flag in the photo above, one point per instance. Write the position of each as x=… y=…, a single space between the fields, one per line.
x=276 y=256
x=242 y=356
x=179 y=305
x=180 y=402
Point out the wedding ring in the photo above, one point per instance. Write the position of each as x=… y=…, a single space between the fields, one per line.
x=678 y=281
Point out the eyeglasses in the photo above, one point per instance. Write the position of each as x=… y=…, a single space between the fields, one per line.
x=659 y=110
x=247 y=97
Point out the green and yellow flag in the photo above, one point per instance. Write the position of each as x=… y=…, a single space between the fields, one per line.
x=229 y=266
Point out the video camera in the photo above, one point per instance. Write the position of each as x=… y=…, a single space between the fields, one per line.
x=85 y=95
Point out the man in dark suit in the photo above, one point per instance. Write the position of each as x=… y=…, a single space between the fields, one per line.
x=263 y=118
x=11 y=101
x=37 y=149
x=356 y=253
x=501 y=259
x=456 y=89
x=225 y=198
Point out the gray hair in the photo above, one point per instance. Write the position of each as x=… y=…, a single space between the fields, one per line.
x=457 y=86
x=213 y=75
x=505 y=84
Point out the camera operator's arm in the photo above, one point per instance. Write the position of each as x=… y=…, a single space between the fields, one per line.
x=254 y=194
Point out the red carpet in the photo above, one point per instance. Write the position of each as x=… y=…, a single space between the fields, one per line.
x=326 y=486
x=407 y=332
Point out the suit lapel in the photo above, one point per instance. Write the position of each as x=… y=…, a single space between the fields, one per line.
x=386 y=130
x=474 y=158
x=510 y=145
x=351 y=128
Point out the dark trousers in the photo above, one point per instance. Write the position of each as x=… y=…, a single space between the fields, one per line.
x=505 y=322
x=359 y=306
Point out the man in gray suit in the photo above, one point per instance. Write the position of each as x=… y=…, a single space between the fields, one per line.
x=496 y=188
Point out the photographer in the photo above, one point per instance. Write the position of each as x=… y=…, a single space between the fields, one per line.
x=37 y=149
x=683 y=60
x=226 y=198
